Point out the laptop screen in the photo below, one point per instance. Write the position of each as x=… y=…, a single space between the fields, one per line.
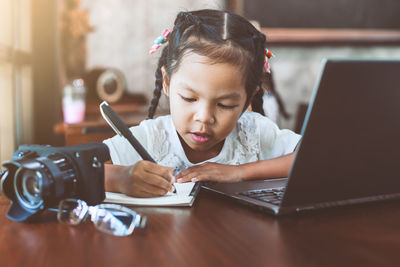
x=351 y=135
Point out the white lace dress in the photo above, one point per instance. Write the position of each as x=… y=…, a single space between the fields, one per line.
x=255 y=137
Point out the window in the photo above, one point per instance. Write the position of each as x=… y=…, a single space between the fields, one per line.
x=16 y=110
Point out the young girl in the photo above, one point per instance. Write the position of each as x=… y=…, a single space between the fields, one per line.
x=211 y=68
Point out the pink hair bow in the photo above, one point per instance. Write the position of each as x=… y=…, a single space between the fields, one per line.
x=268 y=55
x=163 y=38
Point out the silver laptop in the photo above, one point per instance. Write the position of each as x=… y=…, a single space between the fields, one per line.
x=350 y=150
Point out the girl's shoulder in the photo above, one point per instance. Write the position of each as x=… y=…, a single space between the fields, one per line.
x=161 y=122
x=270 y=139
x=252 y=115
x=243 y=143
x=254 y=119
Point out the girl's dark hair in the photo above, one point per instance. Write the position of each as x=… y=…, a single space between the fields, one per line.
x=222 y=37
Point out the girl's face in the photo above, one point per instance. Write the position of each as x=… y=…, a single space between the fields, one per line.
x=206 y=100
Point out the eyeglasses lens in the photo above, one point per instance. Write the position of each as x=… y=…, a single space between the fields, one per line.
x=72 y=211
x=112 y=220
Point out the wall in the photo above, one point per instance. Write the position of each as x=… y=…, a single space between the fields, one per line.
x=382 y=14
x=47 y=88
x=296 y=70
x=125 y=31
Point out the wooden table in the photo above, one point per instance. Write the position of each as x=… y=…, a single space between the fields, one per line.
x=214 y=232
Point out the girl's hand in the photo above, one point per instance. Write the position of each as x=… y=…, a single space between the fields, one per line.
x=144 y=179
x=211 y=171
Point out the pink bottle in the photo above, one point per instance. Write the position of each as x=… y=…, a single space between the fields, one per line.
x=73 y=101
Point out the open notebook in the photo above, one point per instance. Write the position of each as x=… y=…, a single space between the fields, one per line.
x=184 y=196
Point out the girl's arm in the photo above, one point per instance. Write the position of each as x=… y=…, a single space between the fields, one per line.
x=113 y=174
x=272 y=168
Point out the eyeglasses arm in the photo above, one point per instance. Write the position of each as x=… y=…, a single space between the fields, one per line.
x=140 y=221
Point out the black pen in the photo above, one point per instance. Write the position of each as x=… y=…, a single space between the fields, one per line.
x=122 y=130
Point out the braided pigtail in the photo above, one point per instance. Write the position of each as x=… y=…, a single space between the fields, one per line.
x=169 y=57
x=158 y=84
x=258 y=44
x=257 y=101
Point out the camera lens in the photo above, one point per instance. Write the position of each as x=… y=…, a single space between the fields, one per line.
x=28 y=185
x=31 y=185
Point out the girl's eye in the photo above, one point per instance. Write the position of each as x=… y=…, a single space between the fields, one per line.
x=226 y=106
x=188 y=99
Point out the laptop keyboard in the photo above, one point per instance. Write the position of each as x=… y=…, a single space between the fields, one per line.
x=271 y=195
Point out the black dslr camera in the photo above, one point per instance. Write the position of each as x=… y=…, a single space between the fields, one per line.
x=39 y=177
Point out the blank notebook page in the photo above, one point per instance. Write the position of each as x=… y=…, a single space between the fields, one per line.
x=182 y=197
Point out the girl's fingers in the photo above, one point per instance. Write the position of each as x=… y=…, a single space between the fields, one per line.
x=183 y=174
x=156 y=181
x=189 y=177
x=166 y=173
x=187 y=172
x=150 y=190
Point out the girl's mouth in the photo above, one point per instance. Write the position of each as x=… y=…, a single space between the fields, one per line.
x=200 y=138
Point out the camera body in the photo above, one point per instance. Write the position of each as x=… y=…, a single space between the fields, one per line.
x=39 y=177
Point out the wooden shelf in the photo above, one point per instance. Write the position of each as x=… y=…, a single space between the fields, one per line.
x=308 y=36
x=95 y=129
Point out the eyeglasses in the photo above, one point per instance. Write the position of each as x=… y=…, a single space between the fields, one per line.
x=109 y=218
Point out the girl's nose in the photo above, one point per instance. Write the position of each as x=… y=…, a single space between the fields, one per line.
x=205 y=115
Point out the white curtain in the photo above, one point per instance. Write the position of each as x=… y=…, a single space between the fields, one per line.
x=16 y=111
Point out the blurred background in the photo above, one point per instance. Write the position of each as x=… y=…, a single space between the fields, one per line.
x=60 y=58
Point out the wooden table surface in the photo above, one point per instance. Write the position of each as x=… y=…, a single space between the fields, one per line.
x=214 y=232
